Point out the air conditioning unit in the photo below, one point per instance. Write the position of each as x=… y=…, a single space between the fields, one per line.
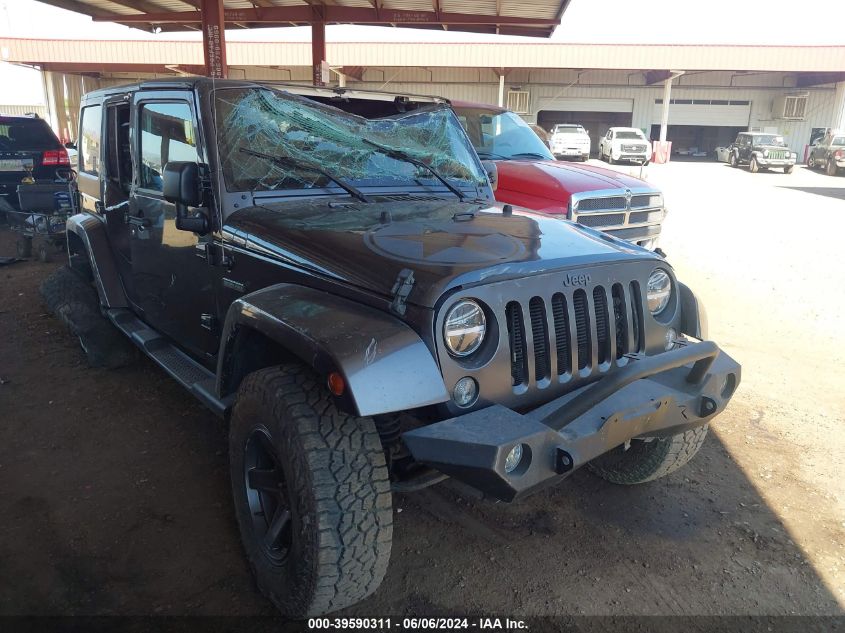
x=518 y=101
x=791 y=107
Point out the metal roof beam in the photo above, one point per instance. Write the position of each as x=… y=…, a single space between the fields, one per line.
x=137 y=5
x=304 y=14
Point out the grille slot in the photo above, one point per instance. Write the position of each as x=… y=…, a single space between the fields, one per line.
x=602 y=204
x=645 y=217
x=540 y=334
x=602 y=324
x=563 y=346
x=648 y=200
x=582 y=328
x=636 y=317
x=607 y=219
x=516 y=337
x=620 y=318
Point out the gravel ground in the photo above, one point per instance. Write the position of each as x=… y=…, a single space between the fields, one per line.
x=115 y=498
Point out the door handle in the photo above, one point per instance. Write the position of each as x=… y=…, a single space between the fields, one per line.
x=141 y=223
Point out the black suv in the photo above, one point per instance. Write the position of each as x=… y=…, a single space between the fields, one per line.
x=761 y=151
x=326 y=270
x=29 y=150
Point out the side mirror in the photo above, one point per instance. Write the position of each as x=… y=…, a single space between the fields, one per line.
x=70 y=145
x=181 y=186
x=492 y=173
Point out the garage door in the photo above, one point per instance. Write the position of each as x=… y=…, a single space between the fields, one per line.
x=587 y=105
x=705 y=112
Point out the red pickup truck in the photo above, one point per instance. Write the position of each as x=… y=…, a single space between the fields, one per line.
x=529 y=176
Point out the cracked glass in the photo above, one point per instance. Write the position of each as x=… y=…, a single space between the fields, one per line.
x=289 y=126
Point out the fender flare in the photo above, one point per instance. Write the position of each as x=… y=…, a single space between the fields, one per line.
x=385 y=364
x=693 y=314
x=92 y=233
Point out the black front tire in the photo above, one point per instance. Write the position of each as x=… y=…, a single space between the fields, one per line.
x=333 y=484
x=788 y=170
x=734 y=161
x=830 y=167
x=646 y=461
x=44 y=255
x=753 y=166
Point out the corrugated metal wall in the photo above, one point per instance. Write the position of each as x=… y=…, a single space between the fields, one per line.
x=18 y=110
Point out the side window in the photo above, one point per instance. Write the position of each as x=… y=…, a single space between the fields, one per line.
x=167 y=133
x=90 y=138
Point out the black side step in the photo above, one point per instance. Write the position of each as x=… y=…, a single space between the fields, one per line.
x=189 y=373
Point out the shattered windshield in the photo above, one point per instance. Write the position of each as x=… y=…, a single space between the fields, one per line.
x=286 y=125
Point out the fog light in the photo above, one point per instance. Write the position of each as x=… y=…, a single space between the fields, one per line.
x=671 y=338
x=465 y=391
x=513 y=458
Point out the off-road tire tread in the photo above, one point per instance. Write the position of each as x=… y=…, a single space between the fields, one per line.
x=338 y=465
x=661 y=457
x=76 y=304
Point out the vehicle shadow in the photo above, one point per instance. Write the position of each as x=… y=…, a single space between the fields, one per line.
x=700 y=541
x=828 y=192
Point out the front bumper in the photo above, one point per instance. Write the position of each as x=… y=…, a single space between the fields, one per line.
x=645 y=235
x=640 y=158
x=650 y=397
x=775 y=162
x=570 y=151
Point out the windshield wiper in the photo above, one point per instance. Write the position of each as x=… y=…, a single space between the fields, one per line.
x=530 y=154
x=483 y=154
x=298 y=164
x=400 y=155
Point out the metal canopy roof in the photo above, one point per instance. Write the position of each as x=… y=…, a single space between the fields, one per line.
x=534 y=18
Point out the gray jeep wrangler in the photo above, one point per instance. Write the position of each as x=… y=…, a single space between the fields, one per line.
x=327 y=270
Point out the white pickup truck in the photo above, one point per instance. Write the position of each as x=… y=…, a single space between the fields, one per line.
x=570 y=139
x=625 y=143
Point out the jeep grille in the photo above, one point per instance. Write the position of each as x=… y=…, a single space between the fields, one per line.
x=576 y=328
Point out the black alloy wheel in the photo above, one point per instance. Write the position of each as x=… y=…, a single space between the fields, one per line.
x=267 y=494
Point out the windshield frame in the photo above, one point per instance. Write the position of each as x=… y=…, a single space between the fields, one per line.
x=768 y=139
x=572 y=128
x=234 y=195
x=635 y=135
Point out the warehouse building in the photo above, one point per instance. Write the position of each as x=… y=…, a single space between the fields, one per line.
x=703 y=94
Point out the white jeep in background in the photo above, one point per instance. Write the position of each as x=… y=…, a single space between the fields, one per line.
x=570 y=139
x=625 y=143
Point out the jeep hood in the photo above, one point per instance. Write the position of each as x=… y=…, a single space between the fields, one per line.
x=559 y=180
x=445 y=243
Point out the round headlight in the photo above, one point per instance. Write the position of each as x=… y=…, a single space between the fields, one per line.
x=766 y=153
x=659 y=291
x=464 y=328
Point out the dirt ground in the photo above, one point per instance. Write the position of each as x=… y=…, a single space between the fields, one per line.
x=114 y=495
